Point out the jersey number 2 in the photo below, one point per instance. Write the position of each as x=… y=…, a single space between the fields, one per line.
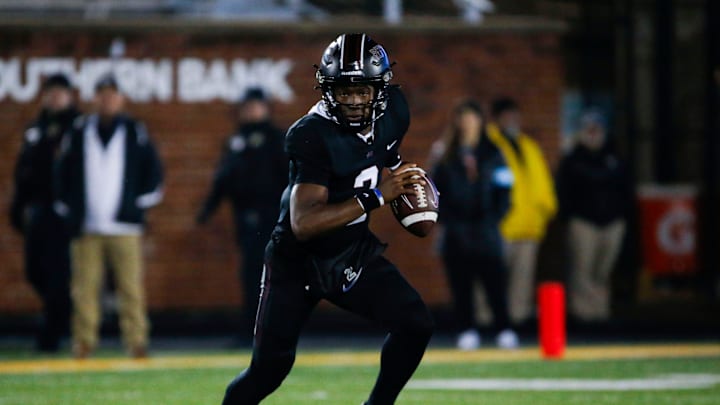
x=367 y=178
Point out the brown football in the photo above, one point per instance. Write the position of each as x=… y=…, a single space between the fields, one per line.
x=418 y=213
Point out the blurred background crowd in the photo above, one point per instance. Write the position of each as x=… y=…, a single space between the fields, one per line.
x=576 y=141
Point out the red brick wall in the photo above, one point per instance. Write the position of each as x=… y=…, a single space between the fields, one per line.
x=194 y=268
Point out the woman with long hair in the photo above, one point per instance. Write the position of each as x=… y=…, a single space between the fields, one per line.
x=474 y=182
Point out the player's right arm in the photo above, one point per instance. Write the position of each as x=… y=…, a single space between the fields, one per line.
x=311 y=215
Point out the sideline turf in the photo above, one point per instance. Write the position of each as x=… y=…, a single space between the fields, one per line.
x=349 y=384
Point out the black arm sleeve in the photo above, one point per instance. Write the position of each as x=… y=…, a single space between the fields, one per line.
x=218 y=188
x=153 y=169
x=63 y=167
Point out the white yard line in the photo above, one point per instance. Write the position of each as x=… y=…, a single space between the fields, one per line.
x=667 y=382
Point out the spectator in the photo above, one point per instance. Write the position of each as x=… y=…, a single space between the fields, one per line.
x=109 y=173
x=532 y=204
x=474 y=182
x=47 y=251
x=252 y=174
x=595 y=194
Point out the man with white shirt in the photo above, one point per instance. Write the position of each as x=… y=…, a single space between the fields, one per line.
x=108 y=174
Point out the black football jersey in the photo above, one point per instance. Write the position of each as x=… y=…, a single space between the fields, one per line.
x=322 y=152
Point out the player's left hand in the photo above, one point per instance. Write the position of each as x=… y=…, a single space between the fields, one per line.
x=400 y=180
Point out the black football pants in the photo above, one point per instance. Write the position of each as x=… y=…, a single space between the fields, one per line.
x=381 y=294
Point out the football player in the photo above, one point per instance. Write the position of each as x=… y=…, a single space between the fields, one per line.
x=322 y=247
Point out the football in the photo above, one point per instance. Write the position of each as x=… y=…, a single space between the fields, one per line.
x=418 y=213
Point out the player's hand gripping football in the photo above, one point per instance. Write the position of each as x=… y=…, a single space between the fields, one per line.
x=400 y=181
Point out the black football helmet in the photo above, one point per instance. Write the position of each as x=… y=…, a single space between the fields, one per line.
x=354 y=59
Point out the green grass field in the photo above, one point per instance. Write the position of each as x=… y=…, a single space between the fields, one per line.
x=346 y=378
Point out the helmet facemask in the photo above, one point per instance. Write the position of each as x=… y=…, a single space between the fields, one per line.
x=354 y=59
x=372 y=110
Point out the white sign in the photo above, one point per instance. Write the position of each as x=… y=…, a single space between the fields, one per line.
x=189 y=80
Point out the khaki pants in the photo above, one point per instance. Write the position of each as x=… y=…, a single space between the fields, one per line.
x=593 y=251
x=521 y=259
x=123 y=254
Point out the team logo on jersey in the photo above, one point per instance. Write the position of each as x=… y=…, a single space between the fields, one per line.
x=351 y=277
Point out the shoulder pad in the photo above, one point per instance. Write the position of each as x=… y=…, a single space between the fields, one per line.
x=306 y=133
x=312 y=122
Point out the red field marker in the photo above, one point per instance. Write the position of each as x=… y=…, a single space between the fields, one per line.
x=551 y=308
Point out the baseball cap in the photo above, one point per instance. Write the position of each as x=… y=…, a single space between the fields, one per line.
x=57 y=80
x=106 y=81
x=254 y=94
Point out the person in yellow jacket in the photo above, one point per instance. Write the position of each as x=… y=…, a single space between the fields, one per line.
x=532 y=205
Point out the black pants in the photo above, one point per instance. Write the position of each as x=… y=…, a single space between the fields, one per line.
x=47 y=268
x=381 y=294
x=463 y=267
x=253 y=228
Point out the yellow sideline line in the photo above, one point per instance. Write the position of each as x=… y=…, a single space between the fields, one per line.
x=350 y=358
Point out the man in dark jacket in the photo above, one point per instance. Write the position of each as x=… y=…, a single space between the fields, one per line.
x=595 y=194
x=252 y=175
x=47 y=259
x=108 y=174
